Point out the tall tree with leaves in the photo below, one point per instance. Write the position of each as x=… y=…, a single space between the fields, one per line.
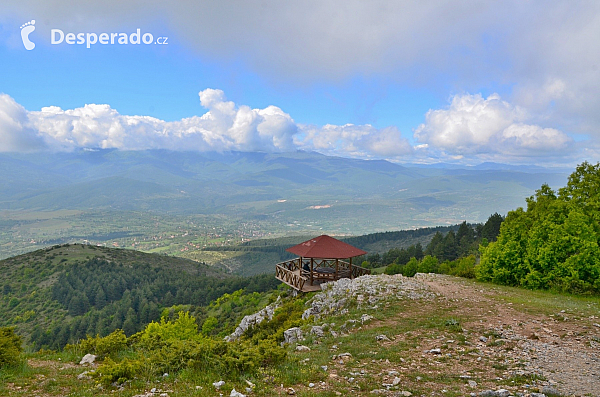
x=554 y=243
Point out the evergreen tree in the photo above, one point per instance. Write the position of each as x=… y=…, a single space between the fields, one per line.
x=491 y=229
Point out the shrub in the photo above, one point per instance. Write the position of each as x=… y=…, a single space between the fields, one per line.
x=183 y=328
x=10 y=347
x=110 y=371
x=410 y=269
x=464 y=267
x=393 y=268
x=101 y=346
x=429 y=264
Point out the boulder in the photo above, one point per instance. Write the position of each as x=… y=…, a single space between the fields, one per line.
x=292 y=335
x=235 y=393
x=88 y=359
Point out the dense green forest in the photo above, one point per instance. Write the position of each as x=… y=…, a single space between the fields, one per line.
x=553 y=243
x=442 y=249
x=61 y=294
x=102 y=297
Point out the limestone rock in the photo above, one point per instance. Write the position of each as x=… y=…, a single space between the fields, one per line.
x=218 y=384
x=292 y=335
x=317 y=330
x=235 y=393
x=251 y=320
x=88 y=359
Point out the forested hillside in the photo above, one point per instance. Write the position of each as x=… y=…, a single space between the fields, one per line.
x=259 y=256
x=61 y=294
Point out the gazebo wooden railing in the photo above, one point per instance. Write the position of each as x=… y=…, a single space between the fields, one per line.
x=289 y=272
x=297 y=272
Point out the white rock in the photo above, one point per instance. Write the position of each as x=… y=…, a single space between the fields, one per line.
x=302 y=348
x=292 y=335
x=253 y=319
x=88 y=359
x=235 y=393
x=317 y=330
x=218 y=384
x=365 y=317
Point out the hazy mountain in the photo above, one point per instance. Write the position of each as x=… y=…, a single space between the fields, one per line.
x=332 y=191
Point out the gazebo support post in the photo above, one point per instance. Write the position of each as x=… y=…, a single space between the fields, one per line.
x=311 y=270
x=351 y=275
x=337 y=261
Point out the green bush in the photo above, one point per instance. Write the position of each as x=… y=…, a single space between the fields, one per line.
x=410 y=269
x=463 y=267
x=109 y=371
x=429 y=264
x=101 y=346
x=10 y=347
x=157 y=333
x=393 y=268
x=172 y=346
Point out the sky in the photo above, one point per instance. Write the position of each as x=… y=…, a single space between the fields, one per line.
x=460 y=82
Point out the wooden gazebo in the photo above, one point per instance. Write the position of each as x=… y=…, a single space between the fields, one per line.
x=320 y=259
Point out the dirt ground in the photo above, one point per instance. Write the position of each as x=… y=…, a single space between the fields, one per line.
x=562 y=347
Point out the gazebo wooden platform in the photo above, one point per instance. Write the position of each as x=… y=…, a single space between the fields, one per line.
x=320 y=260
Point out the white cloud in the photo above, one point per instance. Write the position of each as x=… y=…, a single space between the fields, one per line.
x=15 y=135
x=475 y=125
x=470 y=129
x=355 y=140
x=225 y=126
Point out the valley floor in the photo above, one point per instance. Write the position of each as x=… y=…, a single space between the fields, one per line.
x=459 y=337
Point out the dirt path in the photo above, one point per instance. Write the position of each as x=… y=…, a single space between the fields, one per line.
x=563 y=348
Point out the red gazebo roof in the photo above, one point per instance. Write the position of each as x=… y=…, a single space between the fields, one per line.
x=325 y=247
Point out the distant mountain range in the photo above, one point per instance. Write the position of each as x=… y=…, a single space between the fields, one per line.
x=349 y=195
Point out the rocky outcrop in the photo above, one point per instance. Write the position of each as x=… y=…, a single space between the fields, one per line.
x=366 y=290
x=254 y=319
x=292 y=335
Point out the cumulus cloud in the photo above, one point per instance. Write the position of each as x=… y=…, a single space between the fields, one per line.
x=15 y=134
x=473 y=125
x=225 y=126
x=356 y=140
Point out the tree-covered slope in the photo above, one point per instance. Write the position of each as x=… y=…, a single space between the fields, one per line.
x=63 y=293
